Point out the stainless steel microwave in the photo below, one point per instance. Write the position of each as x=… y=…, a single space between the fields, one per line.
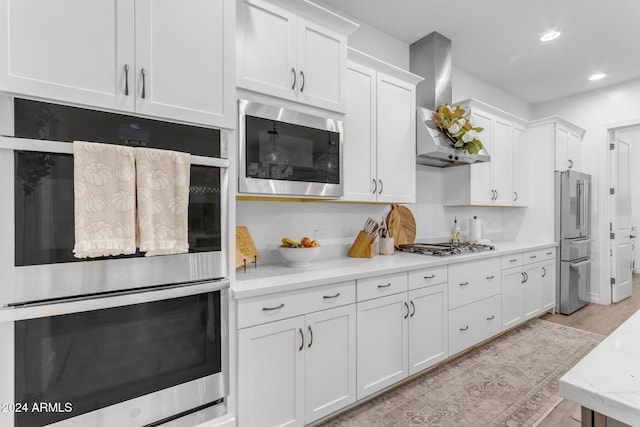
x=288 y=153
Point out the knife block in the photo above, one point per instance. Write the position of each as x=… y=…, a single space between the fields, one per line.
x=362 y=246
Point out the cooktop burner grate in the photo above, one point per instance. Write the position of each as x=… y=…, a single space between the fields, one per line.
x=445 y=249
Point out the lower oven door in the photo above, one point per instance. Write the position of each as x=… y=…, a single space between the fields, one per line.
x=125 y=360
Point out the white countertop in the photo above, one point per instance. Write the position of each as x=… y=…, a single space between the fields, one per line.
x=607 y=380
x=267 y=279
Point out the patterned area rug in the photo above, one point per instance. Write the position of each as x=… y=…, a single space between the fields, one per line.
x=510 y=381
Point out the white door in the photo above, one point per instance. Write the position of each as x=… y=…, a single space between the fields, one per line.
x=574 y=152
x=69 y=50
x=428 y=327
x=512 y=284
x=322 y=59
x=502 y=163
x=621 y=263
x=531 y=291
x=520 y=167
x=481 y=193
x=330 y=361
x=271 y=381
x=360 y=180
x=562 y=149
x=396 y=149
x=382 y=343
x=548 y=286
x=185 y=53
x=267 y=49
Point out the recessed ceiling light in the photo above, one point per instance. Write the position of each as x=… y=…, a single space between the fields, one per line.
x=597 y=76
x=551 y=35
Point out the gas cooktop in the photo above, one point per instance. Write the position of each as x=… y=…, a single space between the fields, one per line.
x=445 y=249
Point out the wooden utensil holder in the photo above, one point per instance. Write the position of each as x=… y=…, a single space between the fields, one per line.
x=362 y=246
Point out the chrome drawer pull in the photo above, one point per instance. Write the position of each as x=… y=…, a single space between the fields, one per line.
x=466 y=328
x=384 y=286
x=331 y=296
x=464 y=284
x=533 y=257
x=491 y=318
x=513 y=260
x=491 y=277
x=549 y=253
x=273 y=308
x=430 y=277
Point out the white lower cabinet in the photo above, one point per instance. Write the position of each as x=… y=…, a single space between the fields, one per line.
x=299 y=369
x=548 y=285
x=428 y=318
x=474 y=323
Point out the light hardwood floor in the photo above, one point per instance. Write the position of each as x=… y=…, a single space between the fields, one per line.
x=601 y=319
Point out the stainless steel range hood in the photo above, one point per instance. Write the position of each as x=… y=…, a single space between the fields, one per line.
x=431 y=59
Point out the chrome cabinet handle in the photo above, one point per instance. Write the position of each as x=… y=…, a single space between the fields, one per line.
x=430 y=277
x=331 y=296
x=301 y=339
x=126 y=79
x=143 y=95
x=375 y=186
x=523 y=280
x=406 y=306
x=491 y=318
x=493 y=194
x=413 y=306
x=533 y=256
x=549 y=253
x=273 y=308
x=295 y=79
x=570 y=164
x=466 y=328
x=384 y=286
x=544 y=271
x=464 y=284
x=381 y=186
x=516 y=196
x=490 y=277
x=496 y=195
x=310 y=336
x=302 y=77
x=513 y=260
x=526 y=276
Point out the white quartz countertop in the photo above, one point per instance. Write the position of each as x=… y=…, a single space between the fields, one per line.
x=267 y=279
x=607 y=380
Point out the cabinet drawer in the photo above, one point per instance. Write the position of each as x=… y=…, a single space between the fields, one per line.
x=511 y=260
x=382 y=285
x=474 y=323
x=539 y=255
x=268 y=308
x=473 y=281
x=422 y=278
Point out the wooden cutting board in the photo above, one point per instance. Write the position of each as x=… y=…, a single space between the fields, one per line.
x=403 y=223
x=245 y=248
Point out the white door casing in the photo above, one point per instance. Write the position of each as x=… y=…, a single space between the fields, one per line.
x=620 y=217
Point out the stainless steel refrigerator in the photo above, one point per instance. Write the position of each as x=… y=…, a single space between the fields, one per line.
x=573 y=233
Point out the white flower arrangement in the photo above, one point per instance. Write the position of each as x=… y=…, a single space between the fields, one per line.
x=455 y=124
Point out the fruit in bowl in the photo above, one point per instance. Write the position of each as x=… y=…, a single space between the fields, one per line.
x=299 y=254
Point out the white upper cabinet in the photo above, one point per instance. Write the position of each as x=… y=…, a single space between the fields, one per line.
x=296 y=51
x=503 y=181
x=380 y=132
x=565 y=137
x=159 y=58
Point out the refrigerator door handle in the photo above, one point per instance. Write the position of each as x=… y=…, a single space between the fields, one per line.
x=579 y=203
x=579 y=264
x=579 y=241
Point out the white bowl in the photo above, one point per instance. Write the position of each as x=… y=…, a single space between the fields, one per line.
x=300 y=257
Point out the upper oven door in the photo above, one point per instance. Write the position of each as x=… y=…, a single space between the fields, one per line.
x=37 y=211
x=285 y=152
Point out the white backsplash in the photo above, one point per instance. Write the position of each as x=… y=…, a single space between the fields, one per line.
x=335 y=225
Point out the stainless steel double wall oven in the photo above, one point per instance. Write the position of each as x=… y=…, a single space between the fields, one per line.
x=125 y=341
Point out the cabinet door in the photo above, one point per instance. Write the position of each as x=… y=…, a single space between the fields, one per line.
x=531 y=292
x=73 y=51
x=360 y=182
x=512 y=284
x=330 y=361
x=548 y=286
x=480 y=173
x=520 y=170
x=381 y=343
x=186 y=51
x=562 y=148
x=574 y=152
x=266 y=54
x=322 y=61
x=428 y=327
x=271 y=380
x=502 y=162
x=396 y=149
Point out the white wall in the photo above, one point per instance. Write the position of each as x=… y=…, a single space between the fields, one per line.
x=598 y=111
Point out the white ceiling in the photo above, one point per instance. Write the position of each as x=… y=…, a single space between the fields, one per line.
x=497 y=41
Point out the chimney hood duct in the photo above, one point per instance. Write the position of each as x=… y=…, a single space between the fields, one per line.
x=431 y=59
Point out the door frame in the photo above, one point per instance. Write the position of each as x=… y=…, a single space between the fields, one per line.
x=601 y=217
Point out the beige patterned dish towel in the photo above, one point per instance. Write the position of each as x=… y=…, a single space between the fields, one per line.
x=104 y=200
x=163 y=201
